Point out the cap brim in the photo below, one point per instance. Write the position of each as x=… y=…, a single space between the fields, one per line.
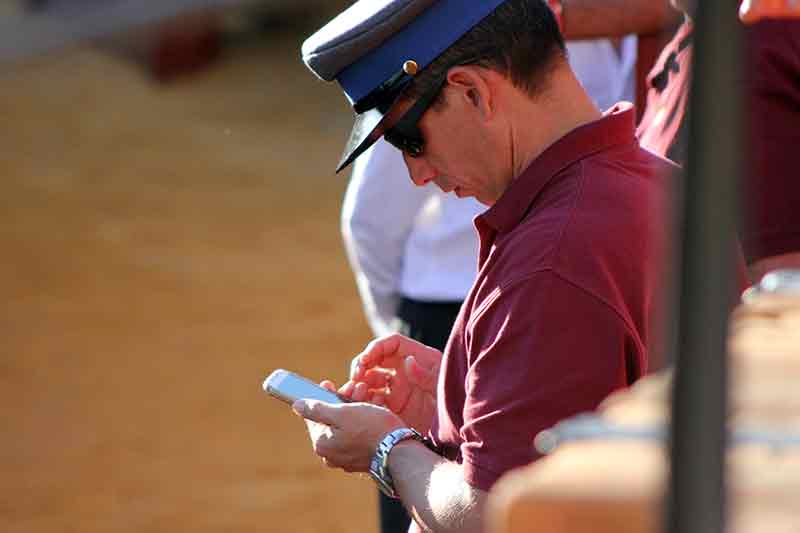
x=362 y=136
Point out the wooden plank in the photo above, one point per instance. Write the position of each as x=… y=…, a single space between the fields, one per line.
x=617 y=484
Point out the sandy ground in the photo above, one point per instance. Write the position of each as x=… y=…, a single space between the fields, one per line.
x=163 y=249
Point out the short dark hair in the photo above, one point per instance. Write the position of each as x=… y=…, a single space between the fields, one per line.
x=520 y=39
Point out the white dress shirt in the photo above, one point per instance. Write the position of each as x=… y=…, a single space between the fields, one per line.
x=417 y=242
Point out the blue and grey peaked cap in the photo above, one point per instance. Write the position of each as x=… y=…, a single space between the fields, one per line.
x=375 y=47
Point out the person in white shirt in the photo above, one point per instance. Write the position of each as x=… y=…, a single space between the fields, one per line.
x=413 y=249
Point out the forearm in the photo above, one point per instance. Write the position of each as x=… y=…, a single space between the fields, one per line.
x=593 y=19
x=434 y=491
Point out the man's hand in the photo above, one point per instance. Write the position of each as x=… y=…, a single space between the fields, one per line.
x=346 y=436
x=433 y=489
x=400 y=373
x=754 y=10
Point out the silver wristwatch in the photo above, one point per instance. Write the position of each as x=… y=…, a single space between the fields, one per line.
x=378 y=467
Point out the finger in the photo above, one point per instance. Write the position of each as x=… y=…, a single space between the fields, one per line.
x=321 y=437
x=360 y=392
x=377 y=378
x=328 y=385
x=378 y=350
x=346 y=390
x=313 y=428
x=316 y=411
x=378 y=399
x=418 y=375
x=359 y=365
x=355 y=368
x=315 y=431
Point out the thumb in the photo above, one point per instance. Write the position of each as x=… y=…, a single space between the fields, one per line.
x=316 y=411
x=424 y=378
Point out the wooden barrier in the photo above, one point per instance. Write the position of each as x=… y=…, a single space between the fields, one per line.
x=608 y=473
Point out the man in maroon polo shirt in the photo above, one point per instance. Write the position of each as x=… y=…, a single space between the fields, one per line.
x=570 y=267
x=562 y=310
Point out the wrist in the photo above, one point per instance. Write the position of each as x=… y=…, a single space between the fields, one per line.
x=379 y=465
x=403 y=454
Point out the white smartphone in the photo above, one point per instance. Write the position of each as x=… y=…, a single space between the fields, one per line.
x=289 y=387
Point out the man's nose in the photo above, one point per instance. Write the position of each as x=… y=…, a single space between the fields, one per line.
x=421 y=172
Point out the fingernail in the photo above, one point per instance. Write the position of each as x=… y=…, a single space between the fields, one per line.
x=299 y=407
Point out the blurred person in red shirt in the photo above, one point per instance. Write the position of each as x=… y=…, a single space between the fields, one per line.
x=770 y=236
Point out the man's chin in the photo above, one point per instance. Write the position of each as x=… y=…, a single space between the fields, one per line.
x=458 y=191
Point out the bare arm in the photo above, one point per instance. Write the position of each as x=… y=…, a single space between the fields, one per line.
x=434 y=491
x=592 y=19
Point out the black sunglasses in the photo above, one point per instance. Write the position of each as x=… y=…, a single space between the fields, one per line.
x=405 y=135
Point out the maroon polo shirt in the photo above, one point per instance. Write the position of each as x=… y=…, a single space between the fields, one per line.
x=561 y=312
x=772 y=190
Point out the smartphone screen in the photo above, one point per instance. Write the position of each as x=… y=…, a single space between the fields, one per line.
x=288 y=386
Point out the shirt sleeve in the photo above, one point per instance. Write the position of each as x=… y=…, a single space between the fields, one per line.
x=378 y=213
x=539 y=351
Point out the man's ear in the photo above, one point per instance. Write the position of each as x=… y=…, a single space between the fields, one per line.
x=473 y=85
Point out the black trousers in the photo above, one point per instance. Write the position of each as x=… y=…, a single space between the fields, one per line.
x=430 y=323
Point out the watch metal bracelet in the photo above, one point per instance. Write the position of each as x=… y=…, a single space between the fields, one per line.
x=378 y=468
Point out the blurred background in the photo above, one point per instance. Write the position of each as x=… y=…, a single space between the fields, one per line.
x=169 y=224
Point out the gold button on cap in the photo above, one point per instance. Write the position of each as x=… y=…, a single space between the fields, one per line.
x=410 y=67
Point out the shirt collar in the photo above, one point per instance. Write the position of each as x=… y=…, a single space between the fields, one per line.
x=616 y=127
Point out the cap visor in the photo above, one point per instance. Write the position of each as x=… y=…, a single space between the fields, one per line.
x=362 y=136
